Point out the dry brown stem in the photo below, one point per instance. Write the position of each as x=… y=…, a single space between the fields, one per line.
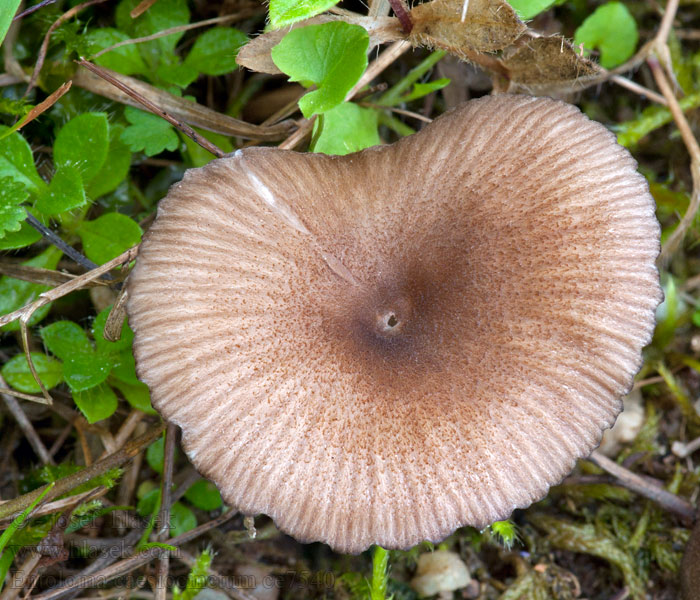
x=672 y=503
x=129 y=564
x=26 y=426
x=14 y=507
x=691 y=144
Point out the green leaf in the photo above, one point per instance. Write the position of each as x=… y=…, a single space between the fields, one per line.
x=198 y=578
x=108 y=236
x=346 y=128
x=125 y=59
x=87 y=370
x=214 y=52
x=83 y=142
x=125 y=367
x=204 y=495
x=136 y=394
x=65 y=192
x=116 y=167
x=83 y=367
x=96 y=403
x=333 y=56
x=177 y=74
x=17 y=162
x=147 y=504
x=154 y=455
x=18 y=376
x=423 y=89
x=286 y=12
x=148 y=132
x=15 y=293
x=182 y=519
x=611 y=29
x=198 y=155
x=26 y=236
x=164 y=14
x=527 y=9
x=64 y=338
x=8 y=9
x=12 y=195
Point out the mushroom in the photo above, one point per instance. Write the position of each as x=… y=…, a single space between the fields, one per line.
x=440 y=572
x=381 y=347
x=627 y=426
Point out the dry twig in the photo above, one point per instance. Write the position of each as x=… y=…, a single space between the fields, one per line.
x=640 y=485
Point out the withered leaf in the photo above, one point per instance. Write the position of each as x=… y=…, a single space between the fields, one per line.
x=489 y=25
x=255 y=55
x=547 y=64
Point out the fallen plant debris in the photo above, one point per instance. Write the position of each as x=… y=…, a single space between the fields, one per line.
x=93 y=500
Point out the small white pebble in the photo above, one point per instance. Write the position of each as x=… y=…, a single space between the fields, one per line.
x=439 y=571
x=627 y=427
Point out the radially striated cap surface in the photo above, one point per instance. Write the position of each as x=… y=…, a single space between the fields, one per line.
x=381 y=347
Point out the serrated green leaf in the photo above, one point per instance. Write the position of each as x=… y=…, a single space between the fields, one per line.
x=115 y=169
x=148 y=132
x=214 y=52
x=286 y=12
x=182 y=519
x=15 y=293
x=65 y=192
x=18 y=376
x=108 y=236
x=332 y=55
x=8 y=8
x=346 y=128
x=83 y=143
x=17 y=162
x=25 y=236
x=204 y=495
x=125 y=59
x=12 y=195
x=96 y=403
x=164 y=14
x=611 y=29
x=527 y=9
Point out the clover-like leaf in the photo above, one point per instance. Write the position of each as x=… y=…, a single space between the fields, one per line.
x=108 y=236
x=286 y=12
x=12 y=195
x=97 y=402
x=612 y=29
x=332 y=55
x=346 y=128
x=65 y=192
x=148 y=132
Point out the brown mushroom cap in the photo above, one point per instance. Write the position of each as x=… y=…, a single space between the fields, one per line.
x=381 y=347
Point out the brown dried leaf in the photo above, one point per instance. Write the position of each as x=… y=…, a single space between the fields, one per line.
x=547 y=64
x=255 y=55
x=489 y=25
